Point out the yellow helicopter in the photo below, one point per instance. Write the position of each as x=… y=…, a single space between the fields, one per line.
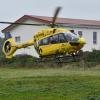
x=48 y=42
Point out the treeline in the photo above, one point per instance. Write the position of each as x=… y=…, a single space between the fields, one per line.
x=1 y=44
x=87 y=59
x=91 y=59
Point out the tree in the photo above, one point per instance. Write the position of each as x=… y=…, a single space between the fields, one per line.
x=1 y=44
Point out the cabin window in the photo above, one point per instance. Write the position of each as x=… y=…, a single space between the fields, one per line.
x=94 y=37
x=54 y=39
x=62 y=38
x=40 y=42
x=80 y=33
x=17 y=39
x=44 y=41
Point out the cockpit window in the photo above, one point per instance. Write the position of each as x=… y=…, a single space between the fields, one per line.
x=71 y=37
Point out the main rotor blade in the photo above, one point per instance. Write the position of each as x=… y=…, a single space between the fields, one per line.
x=55 y=16
x=24 y=24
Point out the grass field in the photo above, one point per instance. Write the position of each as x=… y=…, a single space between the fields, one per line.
x=49 y=84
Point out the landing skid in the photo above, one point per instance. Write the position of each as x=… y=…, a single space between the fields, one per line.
x=59 y=59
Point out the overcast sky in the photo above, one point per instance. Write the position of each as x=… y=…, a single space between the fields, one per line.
x=11 y=10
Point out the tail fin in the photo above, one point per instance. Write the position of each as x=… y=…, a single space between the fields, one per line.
x=10 y=47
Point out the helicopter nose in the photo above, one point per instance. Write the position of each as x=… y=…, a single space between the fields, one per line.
x=82 y=41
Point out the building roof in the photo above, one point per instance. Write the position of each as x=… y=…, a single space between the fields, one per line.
x=45 y=19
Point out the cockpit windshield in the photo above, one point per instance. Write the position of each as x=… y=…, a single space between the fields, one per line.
x=71 y=36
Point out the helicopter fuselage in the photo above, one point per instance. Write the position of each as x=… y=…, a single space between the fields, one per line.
x=50 y=41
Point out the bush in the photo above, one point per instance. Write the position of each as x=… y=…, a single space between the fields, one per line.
x=18 y=61
x=93 y=56
x=91 y=59
x=88 y=59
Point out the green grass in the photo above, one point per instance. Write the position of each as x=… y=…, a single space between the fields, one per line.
x=49 y=84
